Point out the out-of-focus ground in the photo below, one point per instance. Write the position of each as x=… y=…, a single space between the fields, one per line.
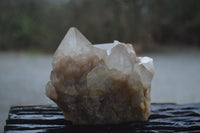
x=23 y=78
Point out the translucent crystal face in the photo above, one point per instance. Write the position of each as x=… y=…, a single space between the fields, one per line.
x=99 y=84
x=106 y=46
x=145 y=70
x=119 y=59
x=74 y=43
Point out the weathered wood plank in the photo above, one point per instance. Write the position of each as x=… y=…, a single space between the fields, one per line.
x=48 y=118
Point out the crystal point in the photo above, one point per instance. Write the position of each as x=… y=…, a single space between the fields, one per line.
x=145 y=70
x=73 y=43
x=119 y=59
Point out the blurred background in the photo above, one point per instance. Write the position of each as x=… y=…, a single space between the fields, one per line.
x=31 y=30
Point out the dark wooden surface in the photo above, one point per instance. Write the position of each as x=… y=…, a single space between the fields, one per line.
x=48 y=118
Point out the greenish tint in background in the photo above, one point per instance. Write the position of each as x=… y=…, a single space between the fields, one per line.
x=36 y=24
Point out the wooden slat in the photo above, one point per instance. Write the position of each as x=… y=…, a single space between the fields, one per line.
x=48 y=118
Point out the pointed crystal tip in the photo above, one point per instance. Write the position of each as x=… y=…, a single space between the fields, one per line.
x=73 y=43
x=119 y=59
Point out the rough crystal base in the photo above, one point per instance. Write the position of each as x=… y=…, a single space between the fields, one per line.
x=102 y=84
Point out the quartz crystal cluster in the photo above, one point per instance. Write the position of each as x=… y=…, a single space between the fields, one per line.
x=100 y=84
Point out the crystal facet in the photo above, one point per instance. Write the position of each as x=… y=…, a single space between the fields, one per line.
x=100 y=84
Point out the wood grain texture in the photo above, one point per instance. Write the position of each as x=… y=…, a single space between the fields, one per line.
x=48 y=118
